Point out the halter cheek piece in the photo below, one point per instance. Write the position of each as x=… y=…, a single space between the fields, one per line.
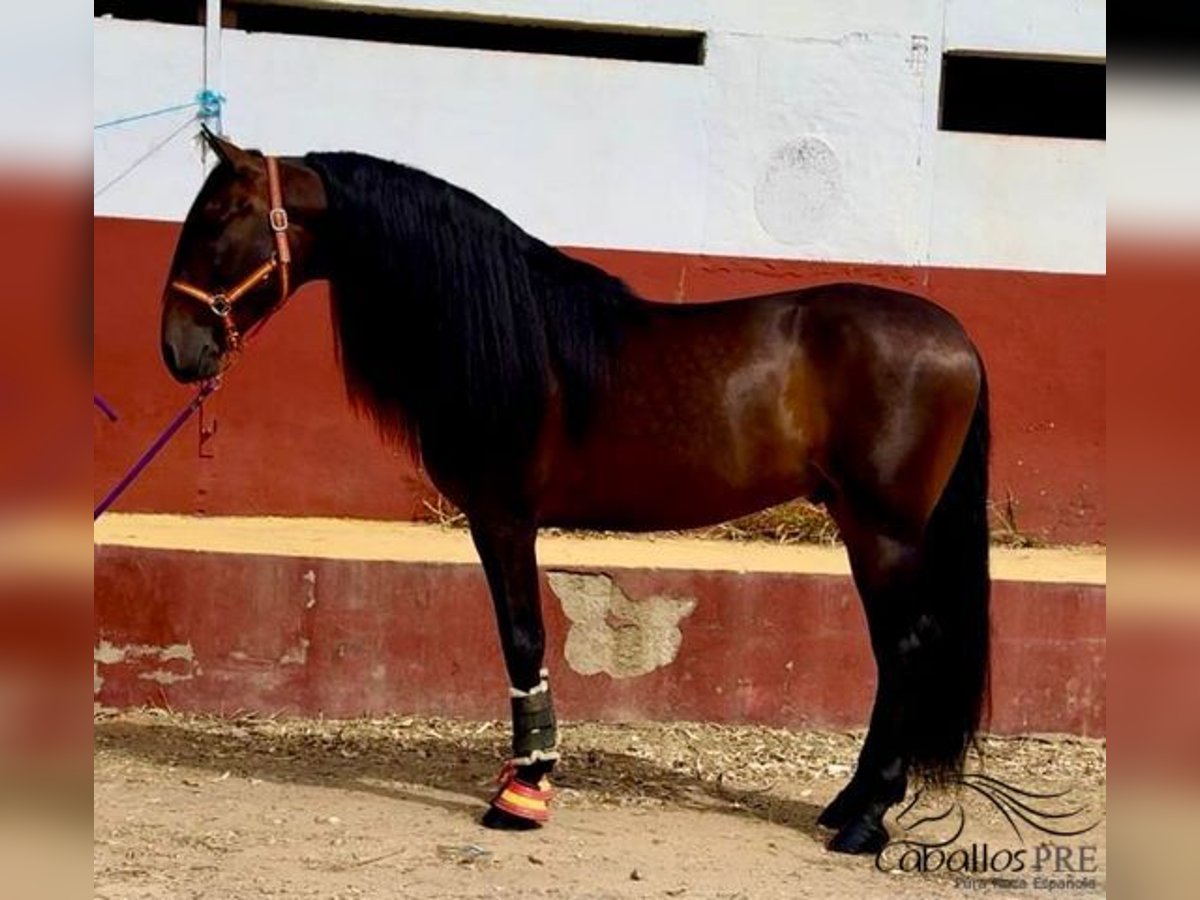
x=221 y=302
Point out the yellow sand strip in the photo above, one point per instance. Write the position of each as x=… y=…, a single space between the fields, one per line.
x=409 y=542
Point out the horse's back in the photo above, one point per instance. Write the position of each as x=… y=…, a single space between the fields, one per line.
x=828 y=309
x=843 y=334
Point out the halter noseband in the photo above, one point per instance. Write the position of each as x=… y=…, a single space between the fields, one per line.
x=221 y=302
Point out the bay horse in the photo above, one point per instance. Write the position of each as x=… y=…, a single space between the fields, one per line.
x=538 y=390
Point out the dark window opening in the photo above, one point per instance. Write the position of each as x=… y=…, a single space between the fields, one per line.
x=1163 y=39
x=1024 y=96
x=173 y=12
x=408 y=27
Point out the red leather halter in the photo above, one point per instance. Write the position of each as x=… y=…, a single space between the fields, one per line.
x=221 y=302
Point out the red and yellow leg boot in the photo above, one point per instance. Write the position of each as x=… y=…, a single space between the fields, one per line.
x=523 y=800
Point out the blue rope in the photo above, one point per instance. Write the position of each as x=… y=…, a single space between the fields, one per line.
x=145 y=156
x=208 y=101
x=125 y=120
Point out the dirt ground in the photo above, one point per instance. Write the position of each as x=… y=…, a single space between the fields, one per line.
x=189 y=807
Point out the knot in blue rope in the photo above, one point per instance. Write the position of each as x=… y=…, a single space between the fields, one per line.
x=209 y=103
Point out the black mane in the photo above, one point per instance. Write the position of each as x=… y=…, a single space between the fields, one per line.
x=453 y=324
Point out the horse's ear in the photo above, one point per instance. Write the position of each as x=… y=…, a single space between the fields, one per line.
x=227 y=151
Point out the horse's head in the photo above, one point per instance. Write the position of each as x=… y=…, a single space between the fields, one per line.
x=240 y=253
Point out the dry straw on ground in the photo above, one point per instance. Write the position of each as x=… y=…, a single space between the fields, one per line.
x=796 y=522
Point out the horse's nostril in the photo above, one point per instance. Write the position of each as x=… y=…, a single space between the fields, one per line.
x=168 y=353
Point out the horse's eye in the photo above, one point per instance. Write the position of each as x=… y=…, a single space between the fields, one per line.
x=219 y=216
x=216 y=209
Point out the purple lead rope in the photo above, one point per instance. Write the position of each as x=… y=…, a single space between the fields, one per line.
x=101 y=404
x=153 y=450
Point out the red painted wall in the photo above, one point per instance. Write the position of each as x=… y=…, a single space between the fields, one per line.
x=346 y=637
x=285 y=442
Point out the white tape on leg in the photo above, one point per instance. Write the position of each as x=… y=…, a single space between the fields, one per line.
x=540 y=688
x=535 y=756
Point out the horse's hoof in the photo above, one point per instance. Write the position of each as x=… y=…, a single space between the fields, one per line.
x=504 y=821
x=844 y=807
x=862 y=835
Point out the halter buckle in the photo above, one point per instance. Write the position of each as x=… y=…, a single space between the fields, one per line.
x=278 y=219
x=220 y=305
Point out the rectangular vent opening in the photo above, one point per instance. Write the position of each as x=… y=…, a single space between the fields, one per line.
x=398 y=26
x=1038 y=97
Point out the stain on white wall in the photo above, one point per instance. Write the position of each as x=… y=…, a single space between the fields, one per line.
x=799 y=193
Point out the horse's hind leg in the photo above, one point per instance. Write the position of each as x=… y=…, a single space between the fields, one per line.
x=886 y=572
x=506 y=548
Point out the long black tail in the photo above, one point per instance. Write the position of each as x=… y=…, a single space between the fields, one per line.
x=949 y=665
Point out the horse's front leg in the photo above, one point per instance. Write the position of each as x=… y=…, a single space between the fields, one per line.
x=506 y=548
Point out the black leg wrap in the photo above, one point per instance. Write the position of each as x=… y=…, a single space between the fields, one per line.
x=535 y=732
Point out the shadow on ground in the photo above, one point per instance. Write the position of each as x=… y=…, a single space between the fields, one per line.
x=420 y=766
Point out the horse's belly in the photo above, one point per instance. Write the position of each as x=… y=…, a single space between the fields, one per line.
x=660 y=494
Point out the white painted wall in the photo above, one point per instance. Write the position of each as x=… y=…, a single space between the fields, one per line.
x=1025 y=201
x=585 y=152
x=809 y=133
x=142 y=66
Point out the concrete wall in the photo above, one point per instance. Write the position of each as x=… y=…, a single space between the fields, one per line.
x=296 y=634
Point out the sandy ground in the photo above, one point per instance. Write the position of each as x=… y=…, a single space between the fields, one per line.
x=409 y=541
x=189 y=807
